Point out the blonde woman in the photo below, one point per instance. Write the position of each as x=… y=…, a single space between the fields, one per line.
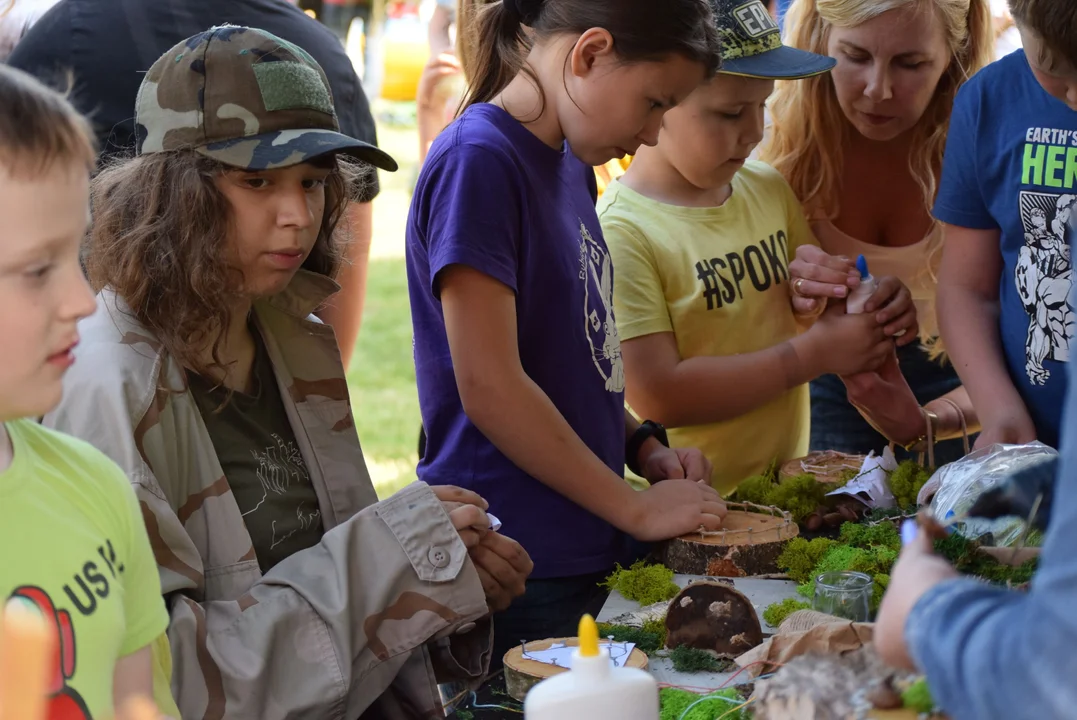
x=862 y=148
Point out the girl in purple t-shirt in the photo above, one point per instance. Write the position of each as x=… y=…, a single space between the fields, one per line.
x=517 y=355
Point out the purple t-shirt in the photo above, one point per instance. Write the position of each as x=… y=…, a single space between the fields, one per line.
x=494 y=197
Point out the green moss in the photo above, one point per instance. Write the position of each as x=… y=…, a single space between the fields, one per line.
x=462 y=714
x=866 y=536
x=648 y=638
x=643 y=583
x=963 y=554
x=691 y=660
x=777 y=613
x=675 y=704
x=800 y=495
x=906 y=481
x=874 y=561
x=799 y=557
x=918 y=697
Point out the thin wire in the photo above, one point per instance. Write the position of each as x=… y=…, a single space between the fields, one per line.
x=738 y=672
x=730 y=712
x=703 y=700
x=475 y=704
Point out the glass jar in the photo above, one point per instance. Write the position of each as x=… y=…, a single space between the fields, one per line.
x=845 y=594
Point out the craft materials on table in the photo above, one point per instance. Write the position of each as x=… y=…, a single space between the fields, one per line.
x=595 y=688
x=749 y=543
x=860 y=295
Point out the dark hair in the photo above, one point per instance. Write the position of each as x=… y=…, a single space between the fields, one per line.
x=159 y=239
x=1053 y=21
x=642 y=30
x=39 y=127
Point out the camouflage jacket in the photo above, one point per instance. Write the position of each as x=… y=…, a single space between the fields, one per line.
x=363 y=624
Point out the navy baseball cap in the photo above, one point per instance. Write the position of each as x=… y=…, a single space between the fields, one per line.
x=752 y=44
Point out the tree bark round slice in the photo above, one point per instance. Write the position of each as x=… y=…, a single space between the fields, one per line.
x=749 y=544
x=522 y=674
x=713 y=616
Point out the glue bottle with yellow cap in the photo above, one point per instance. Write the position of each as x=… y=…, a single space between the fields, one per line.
x=594 y=689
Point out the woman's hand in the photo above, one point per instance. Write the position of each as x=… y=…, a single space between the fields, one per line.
x=815 y=277
x=1015 y=427
x=842 y=344
x=894 y=310
x=886 y=401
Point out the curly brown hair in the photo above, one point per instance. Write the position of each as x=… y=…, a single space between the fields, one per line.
x=160 y=240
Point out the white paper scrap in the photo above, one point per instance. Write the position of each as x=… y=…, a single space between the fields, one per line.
x=495 y=524
x=871 y=486
x=561 y=655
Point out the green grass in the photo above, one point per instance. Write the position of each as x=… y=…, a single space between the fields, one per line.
x=382 y=379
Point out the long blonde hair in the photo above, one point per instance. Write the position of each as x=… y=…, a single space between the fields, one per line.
x=809 y=131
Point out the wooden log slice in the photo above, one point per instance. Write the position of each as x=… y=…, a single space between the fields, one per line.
x=749 y=544
x=713 y=616
x=827 y=467
x=522 y=674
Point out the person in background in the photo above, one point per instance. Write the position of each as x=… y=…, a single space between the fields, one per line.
x=862 y=149
x=106 y=46
x=75 y=549
x=991 y=653
x=518 y=360
x=438 y=95
x=706 y=247
x=1007 y=197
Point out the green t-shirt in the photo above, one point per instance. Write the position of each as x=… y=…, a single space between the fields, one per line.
x=74 y=547
x=256 y=446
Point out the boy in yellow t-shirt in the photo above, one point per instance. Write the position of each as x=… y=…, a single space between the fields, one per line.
x=707 y=248
x=74 y=545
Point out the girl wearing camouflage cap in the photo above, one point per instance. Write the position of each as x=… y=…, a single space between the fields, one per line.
x=292 y=591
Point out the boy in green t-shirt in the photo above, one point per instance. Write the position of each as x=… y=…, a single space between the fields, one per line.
x=73 y=541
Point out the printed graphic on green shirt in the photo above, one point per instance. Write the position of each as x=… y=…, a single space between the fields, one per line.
x=256 y=446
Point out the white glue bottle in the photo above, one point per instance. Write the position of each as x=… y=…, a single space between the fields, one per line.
x=854 y=305
x=594 y=689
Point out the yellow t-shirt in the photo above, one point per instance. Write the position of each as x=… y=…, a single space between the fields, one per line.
x=717 y=278
x=74 y=547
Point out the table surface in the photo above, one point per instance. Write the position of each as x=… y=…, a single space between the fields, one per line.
x=492 y=703
x=760 y=592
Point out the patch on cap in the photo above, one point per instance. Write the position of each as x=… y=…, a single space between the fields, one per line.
x=292 y=86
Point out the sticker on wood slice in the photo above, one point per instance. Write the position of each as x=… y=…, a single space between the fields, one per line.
x=713 y=616
x=749 y=543
x=522 y=674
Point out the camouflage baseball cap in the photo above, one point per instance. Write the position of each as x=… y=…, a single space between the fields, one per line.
x=245 y=98
x=752 y=44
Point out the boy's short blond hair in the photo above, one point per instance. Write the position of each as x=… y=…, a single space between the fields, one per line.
x=1053 y=21
x=39 y=127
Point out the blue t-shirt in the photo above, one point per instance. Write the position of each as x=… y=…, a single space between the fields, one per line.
x=494 y=197
x=1011 y=164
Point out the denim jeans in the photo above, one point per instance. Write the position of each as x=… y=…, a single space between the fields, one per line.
x=837 y=425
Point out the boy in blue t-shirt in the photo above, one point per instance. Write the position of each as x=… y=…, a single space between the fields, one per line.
x=1008 y=196
x=988 y=652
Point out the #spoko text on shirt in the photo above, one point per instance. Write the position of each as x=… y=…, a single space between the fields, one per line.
x=762 y=265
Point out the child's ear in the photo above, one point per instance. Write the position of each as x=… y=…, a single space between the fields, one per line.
x=594 y=45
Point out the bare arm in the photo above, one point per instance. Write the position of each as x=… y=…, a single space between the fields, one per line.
x=708 y=389
x=345 y=310
x=519 y=418
x=968 y=309
x=133 y=677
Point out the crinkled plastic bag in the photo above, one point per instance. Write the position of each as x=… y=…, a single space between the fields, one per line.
x=957 y=486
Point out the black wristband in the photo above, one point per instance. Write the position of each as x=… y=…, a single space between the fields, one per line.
x=645 y=432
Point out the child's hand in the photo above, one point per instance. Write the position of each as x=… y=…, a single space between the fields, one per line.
x=676 y=507
x=917 y=571
x=1013 y=428
x=886 y=401
x=459 y=496
x=815 y=276
x=895 y=310
x=844 y=344
x=664 y=463
x=503 y=567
